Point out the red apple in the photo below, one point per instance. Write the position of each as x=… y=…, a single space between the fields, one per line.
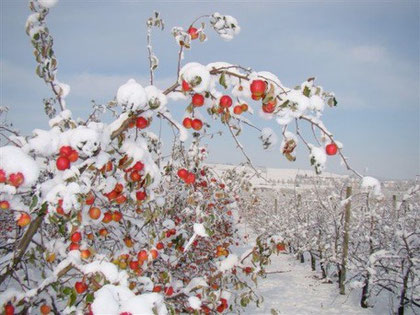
x=4 y=205
x=90 y=199
x=80 y=287
x=198 y=100
x=74 y=246
x=76 y=237
x=331 y=149
x=169 y=291
x=244 y=107
x=142 y=255
x=9 y=309
x=193 y=32
x=197 y=124
x=117 y=216
x=187 y=122
x=141 y=195
x=182 y=173
x=141 y=122
x=135 y=176
x=45 y=309
x=73 y=156
x=160 y=246
x=258 y=87
x=190 y=178
x=138 y=166
x=62 y=163
x=185 y=86
x=269 y=107
x=85 y=253
x=237 y=109
x=2 y=176
x=95 y=213
x=134 y=264
x=107 y=217
x=154 y=253
x=103 y=232
x=16 y=179
x=225 y=101
x=65 y=151
x=24 y=219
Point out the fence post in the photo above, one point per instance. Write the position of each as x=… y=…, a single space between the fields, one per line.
x=345 y=242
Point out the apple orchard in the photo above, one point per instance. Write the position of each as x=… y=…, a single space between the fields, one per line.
x=95 y=220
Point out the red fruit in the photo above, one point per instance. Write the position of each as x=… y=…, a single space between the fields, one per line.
x=190 y=178
x=90 y=199
x=74 y=246
x=135 y=176
x=198 y=100
x=247 y=270
x=107 y=217
x=45 y=309
x=237 y=109
x=134 y=264
x=2 y=176
x=141 y=195
x=24 y=220
x=169 y=291
x=187 y=122
x=269 y=107
x=193 y=33
x=281 y=247
x=120 y=199
x=142 y=255
x=220 y=308
x=94 y=213
x=4 y=205
x=185 y=86
x=258 y=87
x=85 y=254
x=76 y=237
x=197 y=124
x=256 y=97
x=80 y=287
x=16 y=179
x=63 y=163
x=103 y=232
x=244 y=107
x=119 y=188
x=73 y=156
x=225 y=101
x=160 y=246
x=9 y=309
x=182 y=173
x=157 y=289
x=138 y=166
x=141 y=122
x=154 y=253
x=117 y=216
x=331 y=149
x=65 y=151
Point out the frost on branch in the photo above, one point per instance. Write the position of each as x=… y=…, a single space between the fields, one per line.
x=372 y=184
x=131 y=96
x=318 y=158
x=225 y=25
x=268 y=138
x=196 y=75
x=14 y=160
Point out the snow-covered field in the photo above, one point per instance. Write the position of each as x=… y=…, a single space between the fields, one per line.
x=292 y=288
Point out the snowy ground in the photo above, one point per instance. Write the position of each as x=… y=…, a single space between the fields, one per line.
x=297 y=290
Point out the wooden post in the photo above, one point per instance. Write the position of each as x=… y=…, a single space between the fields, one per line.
x=345 y=243
x=276 y=207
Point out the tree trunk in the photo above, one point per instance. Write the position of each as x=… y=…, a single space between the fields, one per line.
x=313 y=261
x=302 y=258
x=404 y=290
x=365 y=293
x=342 y=277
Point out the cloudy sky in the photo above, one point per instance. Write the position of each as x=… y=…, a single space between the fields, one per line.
x=367 y=52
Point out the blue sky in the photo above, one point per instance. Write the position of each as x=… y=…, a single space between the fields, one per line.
x=367 y=52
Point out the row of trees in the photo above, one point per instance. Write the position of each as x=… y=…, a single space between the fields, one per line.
x=360 y=239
